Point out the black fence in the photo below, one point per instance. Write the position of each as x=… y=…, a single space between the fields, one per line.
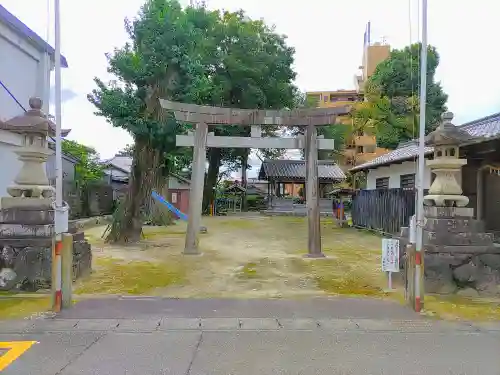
x=384 y=210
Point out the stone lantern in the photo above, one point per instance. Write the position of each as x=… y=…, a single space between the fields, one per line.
x=31 y=185
x=445 y=191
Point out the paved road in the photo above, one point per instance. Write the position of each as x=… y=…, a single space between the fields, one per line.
x=212 y=337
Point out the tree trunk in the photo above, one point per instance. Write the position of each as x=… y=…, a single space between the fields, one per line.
x=214 y=162
x=145 y=174
x=244 y=167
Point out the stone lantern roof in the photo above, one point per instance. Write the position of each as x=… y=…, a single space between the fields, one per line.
x=447 y=134
x=32 y=121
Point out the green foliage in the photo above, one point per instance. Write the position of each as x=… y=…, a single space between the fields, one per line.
x=88 y=168
x=128 y=150
x=252 y=68
x=393 y=92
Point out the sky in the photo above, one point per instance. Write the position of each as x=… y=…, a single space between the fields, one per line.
x=327 y=36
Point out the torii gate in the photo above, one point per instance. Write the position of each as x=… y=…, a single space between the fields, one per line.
x=202 y=116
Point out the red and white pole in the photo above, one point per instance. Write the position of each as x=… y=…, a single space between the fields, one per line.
x=57 y=273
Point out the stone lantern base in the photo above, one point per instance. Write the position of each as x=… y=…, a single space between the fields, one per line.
x=459 y=256
x=26 y=238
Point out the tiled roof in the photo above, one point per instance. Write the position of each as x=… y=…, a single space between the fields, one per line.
x=327 y=169
x=484 y=129
x=121 y=162
x=13 y=22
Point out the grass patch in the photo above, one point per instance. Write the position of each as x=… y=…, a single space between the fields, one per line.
x=249 y=271
x=237 y=223
x=348 y=271
x=459 y=308
x=113 y=276
x=16 y=307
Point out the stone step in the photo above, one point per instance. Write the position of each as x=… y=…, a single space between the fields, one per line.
x=453 y=225
x=466 y=249
x=458 y=239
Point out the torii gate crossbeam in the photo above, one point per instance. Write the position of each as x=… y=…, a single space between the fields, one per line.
x=204 y=115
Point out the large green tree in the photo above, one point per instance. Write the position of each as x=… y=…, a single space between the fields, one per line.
x=164 y=59
x=394 y=90
x=189 y=55
x=251 y=68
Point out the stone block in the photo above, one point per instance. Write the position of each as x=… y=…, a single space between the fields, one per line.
x=26 y=215
x=468 y=293
x=466 y=273
x=24 y=230
x=453 y=225
x=449 y=212
x=27 y=262
x=39 y=203
x=25 y=241
x=490 y=260
x=438 y=275
x=488 y=282
x=467 y=249
x=79 y=236
x=457 y=239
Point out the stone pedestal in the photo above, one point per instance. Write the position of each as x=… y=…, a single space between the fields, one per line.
x=26 y=235
x=459 y=256
x=27 y=216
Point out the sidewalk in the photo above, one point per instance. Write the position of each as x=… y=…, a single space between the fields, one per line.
x=150 y=336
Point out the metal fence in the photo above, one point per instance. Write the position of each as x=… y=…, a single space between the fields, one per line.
x=383 y=210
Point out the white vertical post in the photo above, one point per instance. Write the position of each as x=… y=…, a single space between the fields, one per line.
x=421 y=159
x=389 y=277
x=59 y=210
x=57 y=58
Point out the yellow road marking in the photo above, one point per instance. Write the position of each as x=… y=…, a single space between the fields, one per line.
x=14 y=350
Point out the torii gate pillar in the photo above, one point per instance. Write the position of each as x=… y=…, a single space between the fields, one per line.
x=196 y=194
x=312 y=184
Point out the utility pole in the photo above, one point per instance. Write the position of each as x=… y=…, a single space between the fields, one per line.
x=421 y=161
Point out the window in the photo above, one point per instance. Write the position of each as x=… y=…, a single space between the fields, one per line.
x=359 y=149
x=407 y=181
x=174 y=197
x=333 y=98
x=382 y=183
x=326 y=98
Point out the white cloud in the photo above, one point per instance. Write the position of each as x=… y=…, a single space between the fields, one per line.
x=327 y=35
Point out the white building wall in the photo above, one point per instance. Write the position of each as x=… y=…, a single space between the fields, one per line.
x=394 y=171
x=24 y=70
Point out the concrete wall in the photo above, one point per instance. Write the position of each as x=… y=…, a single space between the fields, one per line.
x=394 y=171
